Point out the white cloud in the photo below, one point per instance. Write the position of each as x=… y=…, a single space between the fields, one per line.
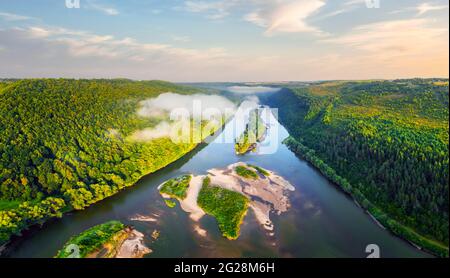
x=396 y=37
x=275 y=16
x=14 y=17
x=427 y=7
x=214 y=9
x=181 y=38
x=286 y=16
x=402 y=46
x=163 y=129
x=167 y=102
x=211 y=108
x=94 y=5
x=41 y=51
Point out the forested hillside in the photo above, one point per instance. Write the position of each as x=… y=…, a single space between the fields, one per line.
x=63 y=145
x=385 y=142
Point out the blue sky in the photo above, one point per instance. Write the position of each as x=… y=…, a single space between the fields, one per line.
x=224 y=40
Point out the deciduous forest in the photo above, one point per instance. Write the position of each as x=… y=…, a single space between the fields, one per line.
x=384 y=142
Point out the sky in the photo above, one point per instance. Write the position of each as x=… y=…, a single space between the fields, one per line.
x=224 y=40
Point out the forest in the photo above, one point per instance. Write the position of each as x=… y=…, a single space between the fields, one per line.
x=63 y=145
x=227 y=206
x=384 y=142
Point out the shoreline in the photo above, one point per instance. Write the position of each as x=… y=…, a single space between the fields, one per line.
x=67 y=210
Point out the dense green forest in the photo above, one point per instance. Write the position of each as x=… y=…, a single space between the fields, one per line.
x=64 y=146
x=385 y=142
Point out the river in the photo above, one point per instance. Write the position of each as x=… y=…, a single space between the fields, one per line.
x=322 y=221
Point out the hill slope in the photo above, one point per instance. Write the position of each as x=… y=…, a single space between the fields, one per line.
x=63 y=145
x=385 y=142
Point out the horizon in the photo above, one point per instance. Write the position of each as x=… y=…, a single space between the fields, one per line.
x=237 y=82
x=225 y=41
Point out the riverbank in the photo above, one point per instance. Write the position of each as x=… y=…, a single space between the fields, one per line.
x=381 y=218
x=57 y=207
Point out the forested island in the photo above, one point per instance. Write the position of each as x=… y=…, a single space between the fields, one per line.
x=66 y=144
x=108 y=240
x=383 y=142
x=254 y=132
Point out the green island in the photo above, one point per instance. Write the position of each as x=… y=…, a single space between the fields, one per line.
x=176 y=187
x=246 y=172
x=383 y=142
x=228 y=207
x=65 y=144
x=259 y=170
x=93 y=239
x=254 y=132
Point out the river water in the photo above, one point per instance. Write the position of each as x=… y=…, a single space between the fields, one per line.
x=322 y=220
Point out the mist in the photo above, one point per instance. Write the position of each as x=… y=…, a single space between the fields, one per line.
x=167 y=102
x=252 y=89
x=171 y=106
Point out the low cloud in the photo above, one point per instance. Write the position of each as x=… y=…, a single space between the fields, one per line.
x=163 y=129
x=181 y=109
x=252 y=89
x=167 y=102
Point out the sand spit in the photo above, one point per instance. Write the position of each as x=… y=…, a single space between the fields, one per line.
x=127 y=243
x=133 y=246
x=189 y=204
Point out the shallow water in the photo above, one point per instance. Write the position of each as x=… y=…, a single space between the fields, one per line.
x=322 y=221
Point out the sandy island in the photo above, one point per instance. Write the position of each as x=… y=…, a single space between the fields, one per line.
x=267 y=194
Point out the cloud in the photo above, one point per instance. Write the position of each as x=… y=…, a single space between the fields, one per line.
x=167 y=102
x=210 y=108
x=94 y=5
x=163 y=129
x=393 y=38
x=181 y=38
x=14 y=17
x=427 y=7
x=214 y=9
x=285 y=16
x=411 y=47
x=43 y=51
x=252 y=89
